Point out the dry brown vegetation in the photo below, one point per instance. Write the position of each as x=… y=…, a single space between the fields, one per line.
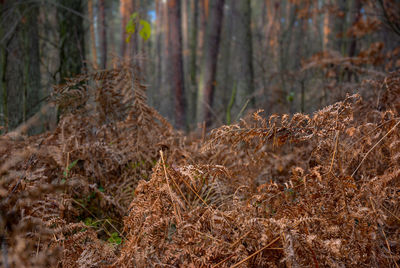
x=116 y=186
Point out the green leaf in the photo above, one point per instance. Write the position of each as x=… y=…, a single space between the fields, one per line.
x=290 y=97
x=88 y=222
x=115 y=239
x=134 y=15
x=70 y=166
x=91 y=223
x=131 y=26
x=146 y=30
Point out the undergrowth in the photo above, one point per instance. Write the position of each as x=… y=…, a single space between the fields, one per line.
x=116 y=186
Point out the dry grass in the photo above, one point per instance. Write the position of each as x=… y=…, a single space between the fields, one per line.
x=116 y=186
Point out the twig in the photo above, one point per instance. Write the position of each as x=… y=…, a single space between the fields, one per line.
x=178 y=220
x=180 y=191
x=334 y=151
x=242 y=110
x=223 y=261
x=188 y=185
x=373 y=147
x=387 y=243
x=391 y=213
x=255 y=253
x=388 y=247
x=240 y=238
x=209 y=236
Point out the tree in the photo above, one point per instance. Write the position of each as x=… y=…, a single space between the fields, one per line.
x=390 y=11
x=193 y=59
x=175 y=40
x=356 y=16
x=20 y=69
x=92 y=34
x=72 y=41
x=103 y=34
x=126 y=9
x=245 y=50
x=210 y=57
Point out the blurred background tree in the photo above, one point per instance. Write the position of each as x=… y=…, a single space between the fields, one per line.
x=205 y=61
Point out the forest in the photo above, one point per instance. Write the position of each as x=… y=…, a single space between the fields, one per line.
x=199 y=133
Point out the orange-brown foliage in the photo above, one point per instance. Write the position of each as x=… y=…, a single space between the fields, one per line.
x=292 y=190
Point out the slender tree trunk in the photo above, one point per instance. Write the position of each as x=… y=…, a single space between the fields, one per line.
x=211 y=55
x=103 y=33
x=353 y=43
x=20 y=73
x=203 y=24
x=174 y=15
x=72 y=45
x=92 y=34
x=32 y=65
x=245 y=50
x=126 y=9
x=340 y=27
x=134 y=44
x=3 y=85
x=49 y=53
x=229 y=87
x=158 y=54
x=326 y=29
x=272 y=10
x=193 y=59
x=185 y=22
x=166 y=90
x=14 y=78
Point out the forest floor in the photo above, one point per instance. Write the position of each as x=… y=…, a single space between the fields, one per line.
x=118 y=186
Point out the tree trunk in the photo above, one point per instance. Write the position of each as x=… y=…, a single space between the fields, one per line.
x=353 y=43
x=49 y=53
x=92 y=34
x=326 y=29
x=72 y=45
x=126 y=9
x=245 y=73
x=20 y=71
x=229 y=87
x=3 y=85
x=210 y=57
x=134 y=44
x=158 y=55
x=103 y=33
x=32 y=66
x=193 y=60
x=203 y=24
x=175 y=39
x=340 y=27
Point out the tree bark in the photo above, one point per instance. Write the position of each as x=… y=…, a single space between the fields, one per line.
x=103 y=33
x=126 y=9
x=32 y=66
x=193 y=60
x=175 y=40
x=92 y=34
x=326 y=29
x=245 y=51
x=357 y=5
x=210 y=57
x=72 y=44
x=20 y=70
x=3 y=85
